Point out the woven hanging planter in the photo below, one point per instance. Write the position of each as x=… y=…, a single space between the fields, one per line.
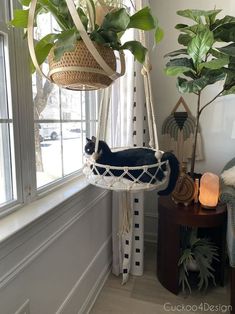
x=90 y=66
x=78 y=70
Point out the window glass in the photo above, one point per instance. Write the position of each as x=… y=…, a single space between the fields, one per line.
x=62 y=120
x=7 y=164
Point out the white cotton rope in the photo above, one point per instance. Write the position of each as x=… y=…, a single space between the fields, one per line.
x=149 y=97
x=127 y=213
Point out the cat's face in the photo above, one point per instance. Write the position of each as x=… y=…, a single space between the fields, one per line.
x=90 y=146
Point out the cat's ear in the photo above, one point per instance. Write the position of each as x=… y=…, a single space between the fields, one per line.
x=88 y=140
x=93 y=138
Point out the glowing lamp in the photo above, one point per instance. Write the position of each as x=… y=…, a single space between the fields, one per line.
x=209 y=190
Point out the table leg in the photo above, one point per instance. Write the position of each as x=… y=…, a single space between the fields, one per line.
x=168 y=253
x=232 y=293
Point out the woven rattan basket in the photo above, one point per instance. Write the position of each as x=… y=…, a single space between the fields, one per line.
x=78 y=70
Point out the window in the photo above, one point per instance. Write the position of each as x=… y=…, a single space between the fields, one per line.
x=7 y=164
x=62 y=120
x=43 y=128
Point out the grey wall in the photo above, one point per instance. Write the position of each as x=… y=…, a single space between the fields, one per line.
x=217 y=120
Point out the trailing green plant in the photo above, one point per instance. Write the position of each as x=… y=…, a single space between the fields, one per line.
x=109 y=34
x=201 y=252
x=207 y=57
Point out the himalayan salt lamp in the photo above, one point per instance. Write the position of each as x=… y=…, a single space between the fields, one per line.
x=209 y=190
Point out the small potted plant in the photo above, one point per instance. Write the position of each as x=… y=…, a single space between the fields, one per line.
x=197 y=255
x=207 y=57
x=65 y=47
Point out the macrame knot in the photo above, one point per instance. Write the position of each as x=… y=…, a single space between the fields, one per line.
x=146 y=69
x=158 y=155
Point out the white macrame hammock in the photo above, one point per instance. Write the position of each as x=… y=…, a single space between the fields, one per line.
x=103 y=175
x=99 y=174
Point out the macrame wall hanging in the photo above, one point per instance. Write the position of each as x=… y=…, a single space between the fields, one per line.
x=177 y=131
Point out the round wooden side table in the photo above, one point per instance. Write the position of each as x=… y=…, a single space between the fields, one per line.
x=171 y=218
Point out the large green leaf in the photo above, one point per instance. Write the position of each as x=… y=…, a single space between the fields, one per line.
x=200 y=45
x=213 y=76
x=190 y=14
x=106 y=37
x=194 y=29
x=43 y=47
x=116 y=21
x=215 y=63
x=210 y=19
x=66 y=42
x=20 y=18
x=228 y=50
x=184 y=39
x=222 y=22
x=181 y=26
x=179 y=66
x=208 y=77
x=192 y=86
x=137 y=49
x=97 y=37
x=197 y=14
x=142 y=19
x=230 y=71
x=159 y=34
x=176 y=53
x=217 y=54
x=225 y=33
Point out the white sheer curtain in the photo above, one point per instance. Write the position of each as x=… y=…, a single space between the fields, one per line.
x=128 y=127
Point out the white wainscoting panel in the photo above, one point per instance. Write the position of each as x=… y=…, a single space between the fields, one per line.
x=56 y=261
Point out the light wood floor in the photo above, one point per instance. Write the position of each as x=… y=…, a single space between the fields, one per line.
x=145 y=295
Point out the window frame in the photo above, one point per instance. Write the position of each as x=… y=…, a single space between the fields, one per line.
x=11 y=85
x=21 y=98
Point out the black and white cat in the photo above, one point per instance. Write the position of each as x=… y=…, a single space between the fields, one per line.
x=135 y=157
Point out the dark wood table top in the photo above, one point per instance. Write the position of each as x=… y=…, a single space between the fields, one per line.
x=193 y=215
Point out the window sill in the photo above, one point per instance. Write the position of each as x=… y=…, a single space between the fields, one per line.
x=21 y=218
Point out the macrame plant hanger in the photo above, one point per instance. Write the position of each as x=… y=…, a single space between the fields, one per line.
x=107 y=179
x=104 y=69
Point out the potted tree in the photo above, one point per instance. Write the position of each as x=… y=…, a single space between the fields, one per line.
x=80 y=49
x=207 y=57
x=197 y=255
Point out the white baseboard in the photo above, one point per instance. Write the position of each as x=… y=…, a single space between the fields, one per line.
x=95 y=291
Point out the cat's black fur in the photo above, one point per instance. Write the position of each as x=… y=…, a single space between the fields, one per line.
x=132 y=158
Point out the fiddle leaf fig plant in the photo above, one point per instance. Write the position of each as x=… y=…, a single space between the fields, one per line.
x=207 y=56
x=109 y=33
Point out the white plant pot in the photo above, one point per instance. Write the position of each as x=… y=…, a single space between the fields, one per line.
x=192 y=265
